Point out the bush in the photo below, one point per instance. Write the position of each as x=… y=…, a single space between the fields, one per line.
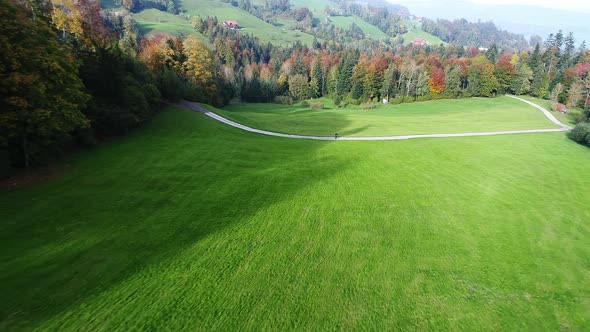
x=395 y=101
x=561 y=108
x=353 y=101
x=337 y=100
x=368 y=106
x=305 y=103
x=581 y=133
x=317 y=106
x=285 y=100
x=170 y=85
x=425 y=98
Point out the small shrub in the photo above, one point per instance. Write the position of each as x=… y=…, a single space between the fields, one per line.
x=581 y=133
x=561 y=108
x=353 y=101
x=424 y=98
x=317 y=106
x=395 y=101
x=368 y=106
x=285 y=100
x=466 y=94
x=337 y=100
x=305 y=103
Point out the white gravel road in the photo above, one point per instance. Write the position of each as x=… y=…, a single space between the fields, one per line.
x=563 y=127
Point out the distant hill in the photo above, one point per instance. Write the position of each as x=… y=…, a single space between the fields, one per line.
x=526 y=20
x=279 y=29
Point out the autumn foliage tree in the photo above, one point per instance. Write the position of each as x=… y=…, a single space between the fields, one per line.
x=41 y=96
x=199 y=65
x=437 y=81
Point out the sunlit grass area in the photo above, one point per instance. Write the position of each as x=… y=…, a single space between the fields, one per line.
x=440 y=116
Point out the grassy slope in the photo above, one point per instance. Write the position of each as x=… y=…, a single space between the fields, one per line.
x=190 y=224
x=442 y=116
x=415 y=31
x=153 y=20
x=318 y=7
x=568 y=118
x=369 y=29
x=252 y=24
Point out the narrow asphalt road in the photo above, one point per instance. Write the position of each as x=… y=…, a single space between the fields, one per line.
x=564 y=127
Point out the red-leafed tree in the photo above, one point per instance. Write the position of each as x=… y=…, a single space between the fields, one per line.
x=437 y=81
x=505 y=72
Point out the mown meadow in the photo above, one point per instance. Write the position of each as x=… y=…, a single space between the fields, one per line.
x=438 y=116
x=189 y=224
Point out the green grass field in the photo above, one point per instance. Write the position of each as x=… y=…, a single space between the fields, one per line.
x=250 y=23
x=415 y=31
x=151 y=21
x=189 y=224
x=346 y=22
x=432 y=117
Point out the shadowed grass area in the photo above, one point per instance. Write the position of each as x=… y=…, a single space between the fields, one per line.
x=432 y=117
x=191 y=224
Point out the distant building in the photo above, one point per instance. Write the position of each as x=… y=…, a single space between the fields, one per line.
x=231 y=24
x=420 y=42
x=482 y=49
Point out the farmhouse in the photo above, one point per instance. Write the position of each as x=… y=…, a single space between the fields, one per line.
x=420 y=41
x=231 y=24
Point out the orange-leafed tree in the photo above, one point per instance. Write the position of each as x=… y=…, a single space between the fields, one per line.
x=437 y=81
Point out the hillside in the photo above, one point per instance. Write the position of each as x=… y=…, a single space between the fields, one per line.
x=283 y=33
x=415 y=31
x=278 y=35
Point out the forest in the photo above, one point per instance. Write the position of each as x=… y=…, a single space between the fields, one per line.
x=72 y=74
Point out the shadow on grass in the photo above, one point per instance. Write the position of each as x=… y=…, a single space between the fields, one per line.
x=354 y=131
x=136 y=203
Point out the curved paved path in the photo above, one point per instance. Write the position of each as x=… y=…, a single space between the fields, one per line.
x=564 y=127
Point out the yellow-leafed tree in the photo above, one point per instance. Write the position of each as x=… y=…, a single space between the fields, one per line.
x=199 y=66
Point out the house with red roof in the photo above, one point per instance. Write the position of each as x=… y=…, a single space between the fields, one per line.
x=231 y=24
x=420 y=42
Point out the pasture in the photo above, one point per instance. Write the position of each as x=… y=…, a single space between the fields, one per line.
x=250 y=23
x=189 y=224
x=415 y=31
x=439 y=116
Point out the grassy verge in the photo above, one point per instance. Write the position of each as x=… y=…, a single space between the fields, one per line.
x=568 y=118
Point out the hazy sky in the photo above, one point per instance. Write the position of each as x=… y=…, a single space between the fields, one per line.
x=528 y=17
x=575 y=5
x=560 y=4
